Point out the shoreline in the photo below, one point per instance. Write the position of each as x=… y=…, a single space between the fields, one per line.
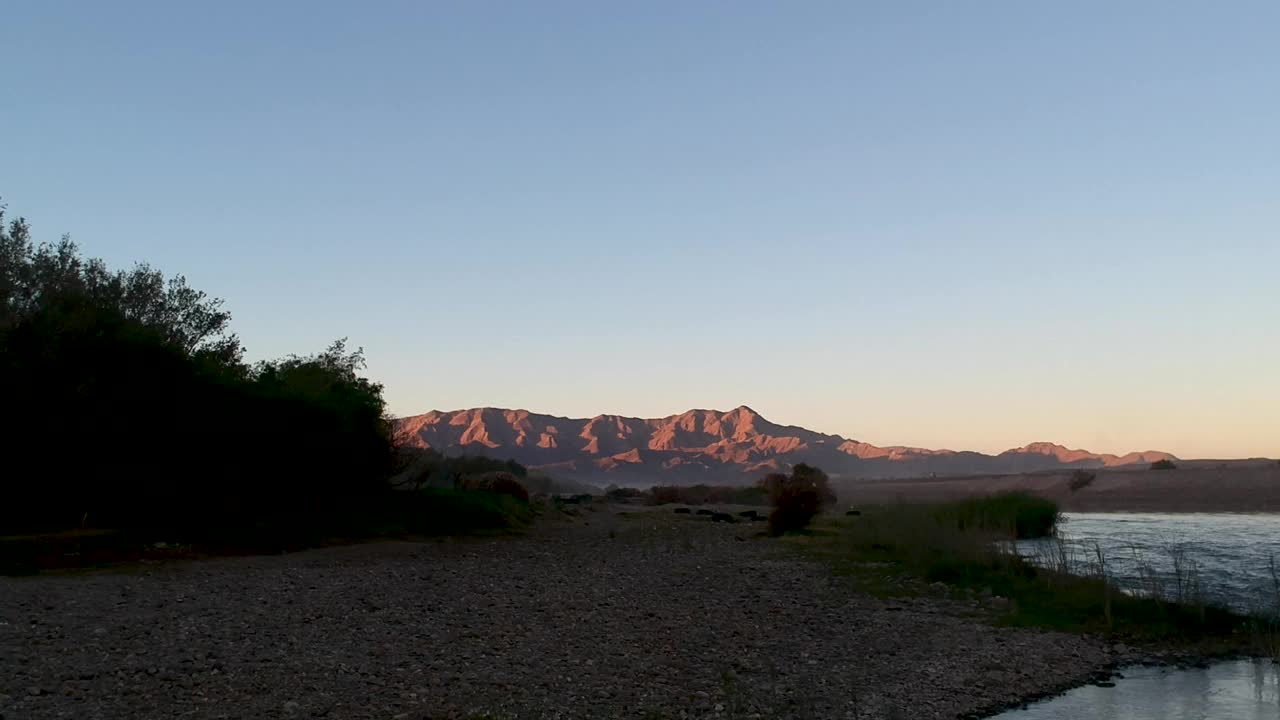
x=613 y=612
x=1237 y=489
x=597 y=615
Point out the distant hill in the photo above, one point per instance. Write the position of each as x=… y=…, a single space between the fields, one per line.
x=737 y=446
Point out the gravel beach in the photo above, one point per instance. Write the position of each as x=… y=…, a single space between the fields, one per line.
x=651 y=615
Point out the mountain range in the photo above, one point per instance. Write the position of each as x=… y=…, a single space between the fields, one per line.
x=737 y=446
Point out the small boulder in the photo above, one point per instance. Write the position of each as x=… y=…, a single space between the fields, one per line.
x=683 y=511
x=852 y=513
x=722 y=517
x=704 y=511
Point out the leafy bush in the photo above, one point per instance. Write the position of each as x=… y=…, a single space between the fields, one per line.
x=625 y=494
x=438 y=511
x=541 y=483
x=1081 y=479
x=796 y=498
x=426 y=467
x=128 y=404
x=1163 y=464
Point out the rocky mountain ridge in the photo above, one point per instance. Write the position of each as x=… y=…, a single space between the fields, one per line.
x=710 y=446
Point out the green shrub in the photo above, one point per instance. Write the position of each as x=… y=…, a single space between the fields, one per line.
x=796 y=498
x=501 y=482
x=625 y=494
x=451 y=512
x=426 y=467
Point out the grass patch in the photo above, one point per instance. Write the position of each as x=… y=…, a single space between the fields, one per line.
x=1017 y=515
x=903 y=549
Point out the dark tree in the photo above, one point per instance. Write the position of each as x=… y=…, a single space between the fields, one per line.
x=796 y=498
x=127 y=404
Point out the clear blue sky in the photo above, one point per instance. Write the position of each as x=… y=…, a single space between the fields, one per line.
x=967 y=225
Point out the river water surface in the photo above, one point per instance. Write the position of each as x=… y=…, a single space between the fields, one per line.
x=1235 y=690
x=1228 y=557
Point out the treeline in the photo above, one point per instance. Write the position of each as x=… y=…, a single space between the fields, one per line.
x=128 y=403
x=796 y=497
x=691 y=495
x=427 y=467
x=763 y=492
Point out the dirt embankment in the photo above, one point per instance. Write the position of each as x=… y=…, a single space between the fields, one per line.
x=1203 y=488
x=654 y=615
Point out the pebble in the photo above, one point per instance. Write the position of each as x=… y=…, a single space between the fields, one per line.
x=673 y=618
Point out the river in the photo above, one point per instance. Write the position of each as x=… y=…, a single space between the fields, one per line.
x=1235 y=690
x=1222 y=558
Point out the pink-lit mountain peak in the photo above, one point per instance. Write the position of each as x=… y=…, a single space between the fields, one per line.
x=709 y=445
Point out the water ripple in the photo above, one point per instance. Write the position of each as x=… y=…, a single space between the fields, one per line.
x=1230 y=555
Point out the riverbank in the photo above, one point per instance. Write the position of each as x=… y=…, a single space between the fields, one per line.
x=960 y=553
x=645 y=615
x=898 y=549
x=1245 y=689
x=1235 y=486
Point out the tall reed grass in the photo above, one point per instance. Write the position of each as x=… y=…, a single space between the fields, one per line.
x=1265 y=625
x=968 y=546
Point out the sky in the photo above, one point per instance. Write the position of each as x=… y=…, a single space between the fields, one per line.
x=962 y=225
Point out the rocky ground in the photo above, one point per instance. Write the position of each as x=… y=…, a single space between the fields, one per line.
x=654 y=615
